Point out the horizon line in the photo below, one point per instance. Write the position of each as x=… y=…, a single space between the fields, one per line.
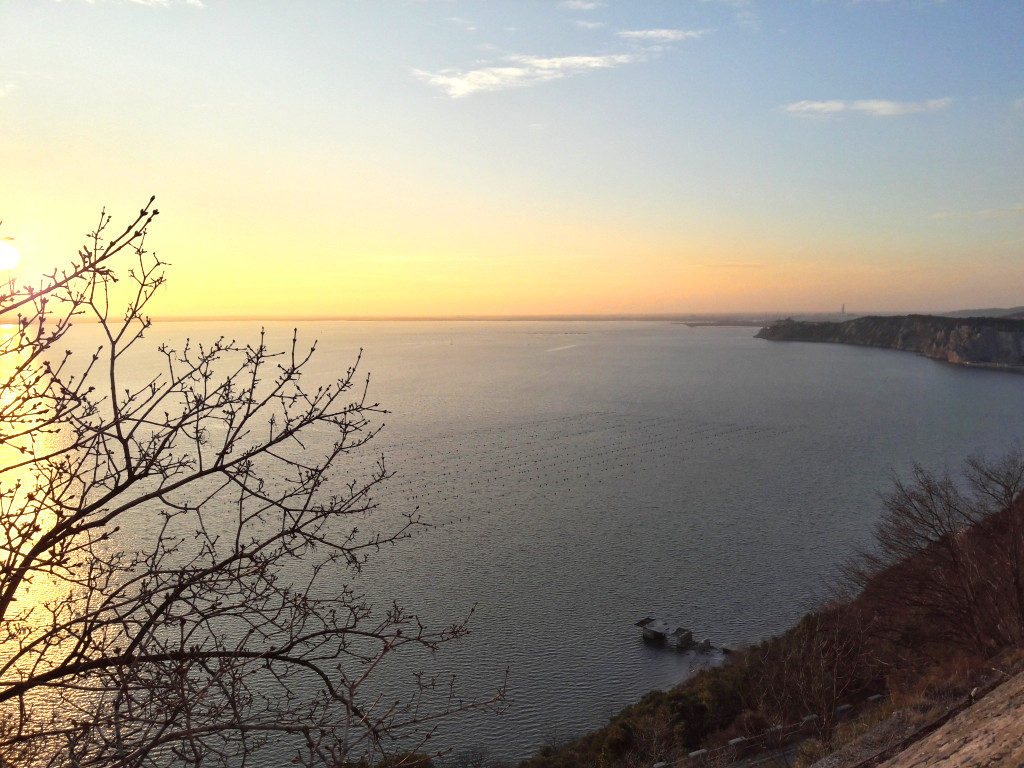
x=638 y=316
x=739 y=316
x=632 y=316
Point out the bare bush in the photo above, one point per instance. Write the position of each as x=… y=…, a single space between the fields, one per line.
x=171 y=550
x=822 y=662
x=949 y=562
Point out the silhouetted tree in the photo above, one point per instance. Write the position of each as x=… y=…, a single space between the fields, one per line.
x=171 y=549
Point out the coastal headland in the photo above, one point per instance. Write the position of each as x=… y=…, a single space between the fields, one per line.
x=992 y=342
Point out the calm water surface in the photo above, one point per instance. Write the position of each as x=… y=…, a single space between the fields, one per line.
x=585 y=475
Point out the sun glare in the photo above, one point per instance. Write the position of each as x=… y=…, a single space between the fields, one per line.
x=8 y=256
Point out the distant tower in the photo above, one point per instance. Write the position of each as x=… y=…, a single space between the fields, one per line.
x=843 y=312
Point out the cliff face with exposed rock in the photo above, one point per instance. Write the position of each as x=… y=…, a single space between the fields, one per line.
x=996 y=342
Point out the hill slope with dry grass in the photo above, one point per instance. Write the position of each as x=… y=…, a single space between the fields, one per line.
x=988 y=733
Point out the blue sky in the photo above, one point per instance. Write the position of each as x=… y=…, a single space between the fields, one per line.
x=474 y=156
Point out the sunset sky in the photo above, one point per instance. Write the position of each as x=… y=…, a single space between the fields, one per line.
x=452 y=157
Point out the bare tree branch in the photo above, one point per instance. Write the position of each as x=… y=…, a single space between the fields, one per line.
x=219 y=626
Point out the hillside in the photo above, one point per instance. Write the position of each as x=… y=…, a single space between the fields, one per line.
x=928 y=618
x=980 y=341
x=989 y=732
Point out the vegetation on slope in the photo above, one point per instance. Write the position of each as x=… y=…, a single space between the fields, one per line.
x=942 y=590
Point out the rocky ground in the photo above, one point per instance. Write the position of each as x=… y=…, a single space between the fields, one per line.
x=945 y=733
x=989 y=733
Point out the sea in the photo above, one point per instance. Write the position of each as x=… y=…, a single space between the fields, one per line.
x=581 y=476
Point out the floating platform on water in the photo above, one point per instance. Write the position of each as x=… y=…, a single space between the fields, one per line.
x=675 y=636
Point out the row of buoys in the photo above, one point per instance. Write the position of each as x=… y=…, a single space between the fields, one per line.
x=513 y=441
x=591 y=466
x=625 y=446
x=517 y=446
x=492 y=467
x=594 y=459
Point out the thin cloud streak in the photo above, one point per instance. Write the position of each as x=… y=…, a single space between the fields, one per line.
x=662 y=35
x=875 y=107
x=520 y=72
x=466 y=24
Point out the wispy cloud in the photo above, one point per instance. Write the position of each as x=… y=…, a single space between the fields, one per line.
x=581 y=5
x=466 y=24
x=588 y=24
x=887 y=108
x=662 y=35
x=518 y=72
x=818 y=108
x=875 y=107
x=988 y=213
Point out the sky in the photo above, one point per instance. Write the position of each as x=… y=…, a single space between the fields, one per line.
x=480 y=157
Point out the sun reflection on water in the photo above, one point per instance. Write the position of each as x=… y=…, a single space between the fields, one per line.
x=43 y=600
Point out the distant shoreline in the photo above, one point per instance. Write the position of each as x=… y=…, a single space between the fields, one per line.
x=989 y=343
x=693 y=320
x=724 y=319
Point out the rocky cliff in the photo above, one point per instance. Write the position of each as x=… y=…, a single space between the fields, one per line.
x=996 y=342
